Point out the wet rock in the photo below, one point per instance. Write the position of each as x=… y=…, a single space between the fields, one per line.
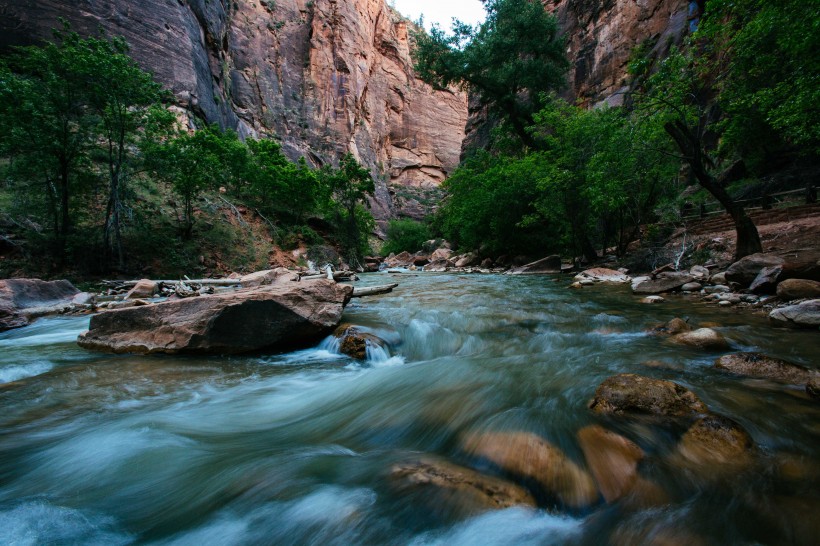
x=798 y=289
x=626 y=393
x=725 y=303
x=550 y=264
x=665 y=282
x=702 y=338
x=763 y=367
x=602 y=274
x=276 y=316
x=813 y=387
x=655 y=533
x=745 y=270
x=267 y=277
x=354 y=342
x=533 y=459
x=145 y=288
x=22 y=300
x=576 y=285
x=713 y=446
x=653 y=299
x=677 y=326
x=802 y=315
x=691 y=287
x=463 y=489
x=766 y=280
x=612 y=459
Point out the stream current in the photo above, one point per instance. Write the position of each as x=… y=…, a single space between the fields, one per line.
x=297 y=448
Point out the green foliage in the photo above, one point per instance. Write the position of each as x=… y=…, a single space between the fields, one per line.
x=510 y=60
x=598 y=177
x=345 y=196
x=405 y=235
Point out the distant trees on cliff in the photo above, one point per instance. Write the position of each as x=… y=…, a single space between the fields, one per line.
x=744 y=88
x=86 y=138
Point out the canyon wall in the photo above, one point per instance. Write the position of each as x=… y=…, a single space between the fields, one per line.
x=325 y=77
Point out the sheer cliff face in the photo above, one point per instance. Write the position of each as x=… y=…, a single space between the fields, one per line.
x=601 y=35
x=327 y=77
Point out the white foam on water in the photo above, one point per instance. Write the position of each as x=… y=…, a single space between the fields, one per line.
x=37 y=522
x=16 y=373
x=47 y=331
x=519 y=526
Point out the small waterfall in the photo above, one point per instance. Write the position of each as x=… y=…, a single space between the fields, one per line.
x=330 y=344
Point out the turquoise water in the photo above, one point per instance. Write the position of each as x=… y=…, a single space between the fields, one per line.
x=297 y=448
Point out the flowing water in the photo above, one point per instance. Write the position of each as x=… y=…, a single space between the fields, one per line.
x=297 y=448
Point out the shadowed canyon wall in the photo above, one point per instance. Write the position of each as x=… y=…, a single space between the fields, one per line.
x=326 y=77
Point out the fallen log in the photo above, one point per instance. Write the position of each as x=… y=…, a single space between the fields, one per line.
x=208 y=282
x=360 y=291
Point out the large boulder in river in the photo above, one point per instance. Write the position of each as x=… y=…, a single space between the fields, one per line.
x=602 y=274
x=715 y=446
x=441 y=254
x=627 y=393
x=269 y=317
x=745 y=270
x=665 y=282
x=465 y=491
x=798 y=289
x=22 y=300
x=802 y=315
x=764 y=367
x=550 y=264
x=532 y=459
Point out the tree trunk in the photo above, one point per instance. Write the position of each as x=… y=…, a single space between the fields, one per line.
x=748 y=239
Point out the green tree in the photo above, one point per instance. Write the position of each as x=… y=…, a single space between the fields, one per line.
x=46 y=124
x=509 y=61
x=405 y=235
x=349 y=187
x=124 y=98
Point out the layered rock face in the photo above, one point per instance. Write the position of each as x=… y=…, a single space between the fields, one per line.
x=602 y=34
x=325 y=77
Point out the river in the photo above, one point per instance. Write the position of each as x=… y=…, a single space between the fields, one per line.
x=297 y=448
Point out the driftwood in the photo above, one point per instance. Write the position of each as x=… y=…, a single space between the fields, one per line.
x=204 y=282
x=661 y=269
x=360 y=291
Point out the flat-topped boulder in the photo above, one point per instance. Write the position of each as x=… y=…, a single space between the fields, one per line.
x=627 y=393
x=268 y=317
x=764 y=367
x=602 y=274
x=801 y=315
x=22 y=300
x=665 y=282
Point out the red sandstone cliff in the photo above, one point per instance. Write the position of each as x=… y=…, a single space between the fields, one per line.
x=324 y=76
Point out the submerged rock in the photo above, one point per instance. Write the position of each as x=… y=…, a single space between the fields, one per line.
x=813 y=387
x=235 y=322
x=802 y=315
x=764 y=367
x=714 y=446
x=460 y=488
x=702 y=338
x=532 y=459
x=628 y=393
x=602 y=274
x=612 y=459
x=23 y=300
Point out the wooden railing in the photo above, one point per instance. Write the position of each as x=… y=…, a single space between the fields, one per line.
x=768 y=201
